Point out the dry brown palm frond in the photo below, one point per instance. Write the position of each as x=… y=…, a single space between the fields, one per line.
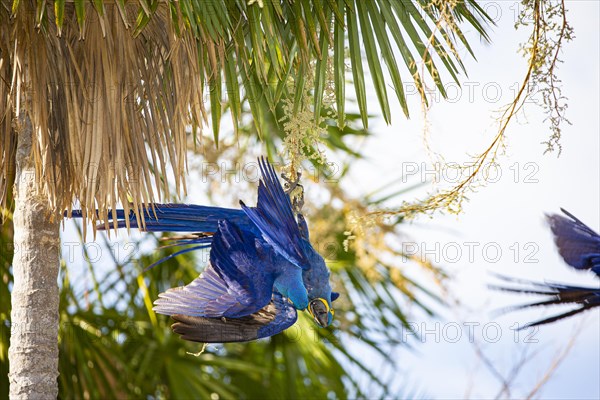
x=103 y=108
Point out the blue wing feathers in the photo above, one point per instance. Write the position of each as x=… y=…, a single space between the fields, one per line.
x=577 y=243
x=277 y=316
x=275 y=219
x=237 y=281
x=285 y=316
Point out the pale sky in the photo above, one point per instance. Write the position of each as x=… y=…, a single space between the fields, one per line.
x=506 y=216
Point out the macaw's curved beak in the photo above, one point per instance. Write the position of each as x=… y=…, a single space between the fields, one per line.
x=321 y=312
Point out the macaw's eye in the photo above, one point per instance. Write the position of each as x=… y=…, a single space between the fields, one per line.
x=320 y=311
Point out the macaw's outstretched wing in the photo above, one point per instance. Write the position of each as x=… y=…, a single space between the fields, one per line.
x=577 y=243
x=555 y=294
x=238 y=281
x=274 y=217
x=275 y=317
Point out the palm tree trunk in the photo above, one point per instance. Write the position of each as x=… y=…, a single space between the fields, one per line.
x=33 y=352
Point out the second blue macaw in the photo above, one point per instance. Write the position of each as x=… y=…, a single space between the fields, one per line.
x=579 y=246
x=259 y=257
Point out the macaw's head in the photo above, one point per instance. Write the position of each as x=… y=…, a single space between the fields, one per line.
x=321 y=310
x=320 y=296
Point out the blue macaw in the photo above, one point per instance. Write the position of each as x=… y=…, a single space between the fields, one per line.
x=579 y=246
x=259 y=257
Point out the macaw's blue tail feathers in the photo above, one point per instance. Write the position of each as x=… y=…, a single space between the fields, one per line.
x=277 y=316
x=198 y=243
x=556 y=294
x=173 y=217
x=274 y=217
x=200 y=221
x=577 y=243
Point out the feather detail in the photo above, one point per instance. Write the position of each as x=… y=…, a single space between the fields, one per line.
x=577 y=243
x=275 y=317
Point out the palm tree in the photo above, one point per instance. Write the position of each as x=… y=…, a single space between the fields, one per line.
x=100 y=100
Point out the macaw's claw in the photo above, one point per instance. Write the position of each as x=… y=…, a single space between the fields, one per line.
x=295 y=191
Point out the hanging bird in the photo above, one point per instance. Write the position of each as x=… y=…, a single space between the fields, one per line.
x=262 y=267
x=579 y=246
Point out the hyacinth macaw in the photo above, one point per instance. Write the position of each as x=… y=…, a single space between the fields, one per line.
x=262 y=267
x=579 y=246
